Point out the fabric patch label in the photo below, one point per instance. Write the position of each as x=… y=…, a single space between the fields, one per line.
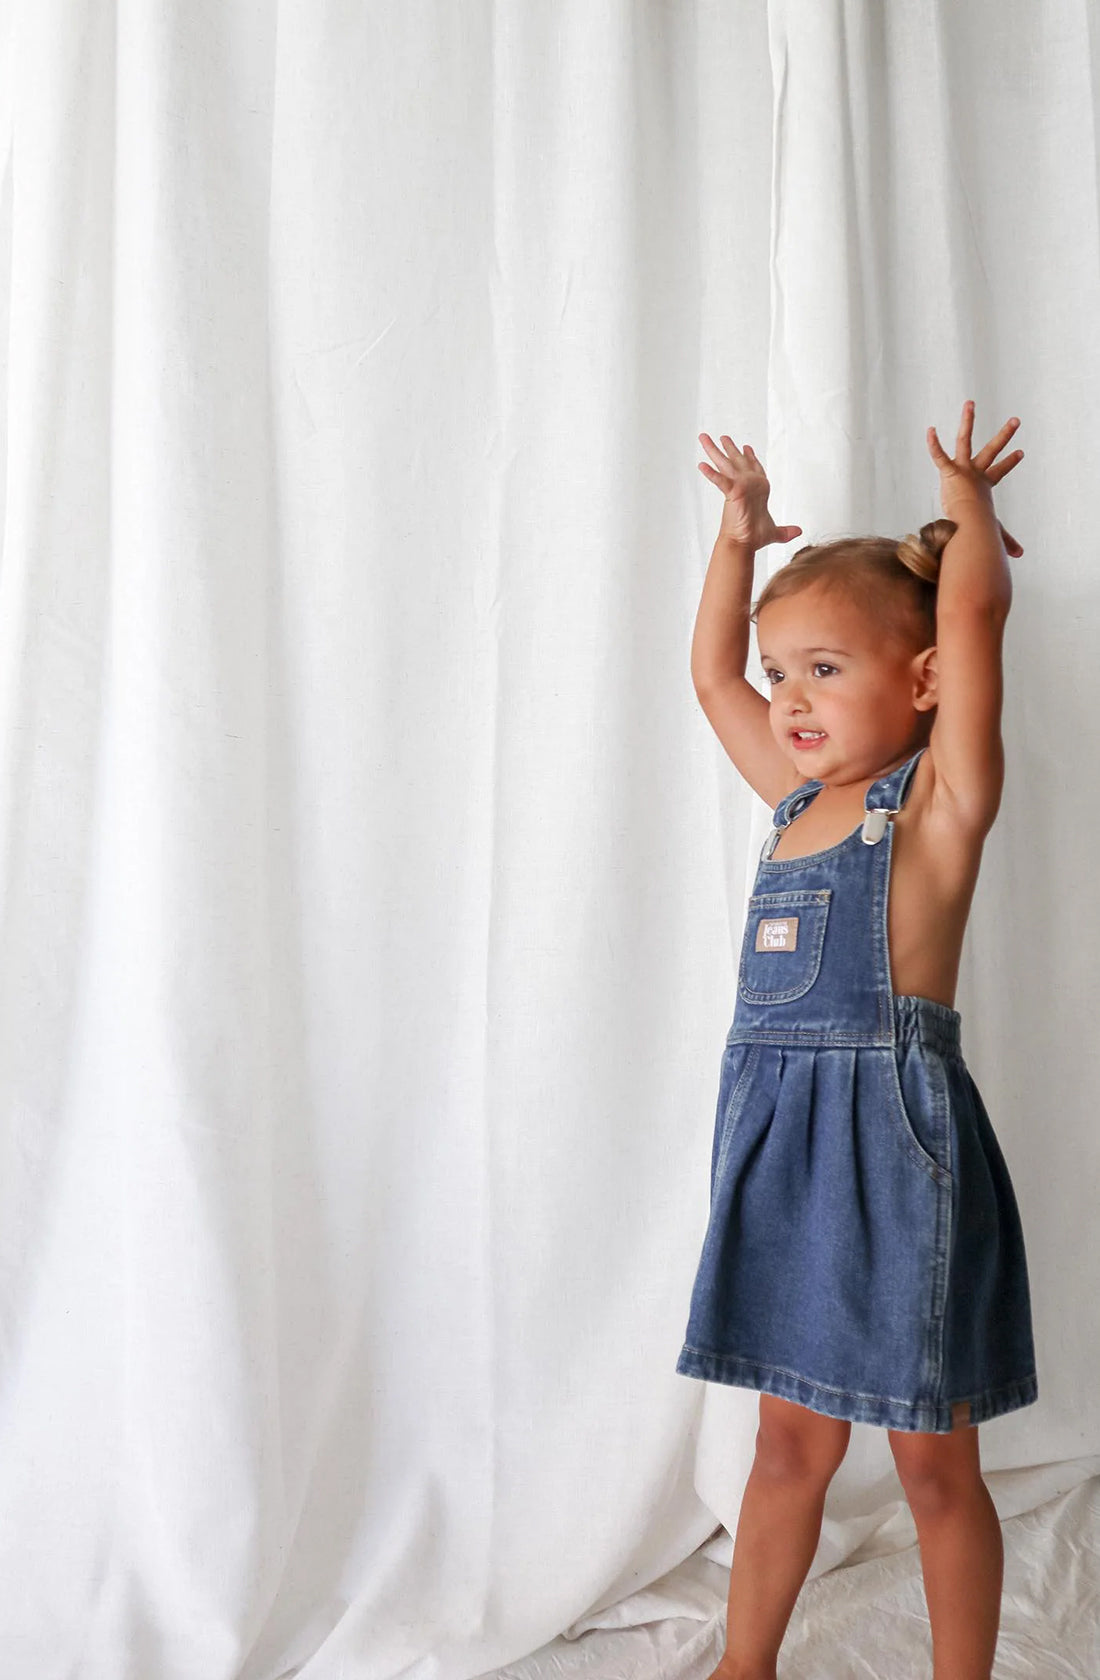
x=777 y=935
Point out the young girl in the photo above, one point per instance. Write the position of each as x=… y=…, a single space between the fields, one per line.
x=864 y=1259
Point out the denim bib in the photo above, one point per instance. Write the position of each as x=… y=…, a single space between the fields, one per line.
x=815 y=961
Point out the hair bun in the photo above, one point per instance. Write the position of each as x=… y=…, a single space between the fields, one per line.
x=922 y=554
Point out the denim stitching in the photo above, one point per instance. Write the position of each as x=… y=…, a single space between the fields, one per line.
x=810 y=901
x=737 y=1098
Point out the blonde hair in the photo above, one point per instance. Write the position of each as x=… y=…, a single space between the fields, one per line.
x=892 y=579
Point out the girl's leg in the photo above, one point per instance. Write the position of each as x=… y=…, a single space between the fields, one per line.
x=961 y=1548
x=797 y=1455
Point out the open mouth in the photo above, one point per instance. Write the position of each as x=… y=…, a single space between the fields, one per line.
x=807 y=737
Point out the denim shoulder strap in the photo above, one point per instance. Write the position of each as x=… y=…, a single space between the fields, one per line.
x=890 y=791
x=791 y=803
x=885 y=798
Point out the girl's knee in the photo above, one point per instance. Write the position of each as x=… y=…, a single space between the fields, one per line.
x=794 y=1443
x=937 y=1471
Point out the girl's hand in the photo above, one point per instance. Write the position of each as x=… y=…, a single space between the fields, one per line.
x=744 y=484
x=969 y=479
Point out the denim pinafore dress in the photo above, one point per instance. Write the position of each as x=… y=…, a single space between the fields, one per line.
x=864 y=1255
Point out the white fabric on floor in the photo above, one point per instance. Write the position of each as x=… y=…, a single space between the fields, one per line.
x=866 y=1618
x=371 y=881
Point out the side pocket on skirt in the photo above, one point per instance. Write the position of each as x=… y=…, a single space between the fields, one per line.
x=920 y=1089
x=729 y=1111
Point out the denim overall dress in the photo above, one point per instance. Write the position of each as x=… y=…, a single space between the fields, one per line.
x=864 y=1255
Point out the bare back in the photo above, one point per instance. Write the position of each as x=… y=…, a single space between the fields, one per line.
x=934 y=870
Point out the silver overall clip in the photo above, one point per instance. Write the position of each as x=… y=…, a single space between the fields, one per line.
x=874 y=825
x=771 y=842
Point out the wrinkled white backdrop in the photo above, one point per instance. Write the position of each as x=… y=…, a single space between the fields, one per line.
x=370 y=880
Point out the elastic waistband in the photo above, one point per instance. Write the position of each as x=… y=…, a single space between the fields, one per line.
x=921 y=1020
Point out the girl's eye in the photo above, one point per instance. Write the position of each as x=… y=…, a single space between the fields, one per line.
x=774 y=677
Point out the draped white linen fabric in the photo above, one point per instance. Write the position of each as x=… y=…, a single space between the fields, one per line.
x=371 y=881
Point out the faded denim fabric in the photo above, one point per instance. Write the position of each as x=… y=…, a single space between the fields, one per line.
x=864 y=1254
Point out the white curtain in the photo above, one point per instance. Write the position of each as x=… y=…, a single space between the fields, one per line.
x=370 y=880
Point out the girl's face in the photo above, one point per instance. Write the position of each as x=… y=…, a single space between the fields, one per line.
x=845 y=696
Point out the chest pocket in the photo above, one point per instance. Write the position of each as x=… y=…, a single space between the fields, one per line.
x=781 y=950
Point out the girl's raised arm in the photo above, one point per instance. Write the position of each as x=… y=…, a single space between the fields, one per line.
x=735 y=710
x=973 y=598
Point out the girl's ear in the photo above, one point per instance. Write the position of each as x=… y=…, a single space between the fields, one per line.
x=925 y=675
